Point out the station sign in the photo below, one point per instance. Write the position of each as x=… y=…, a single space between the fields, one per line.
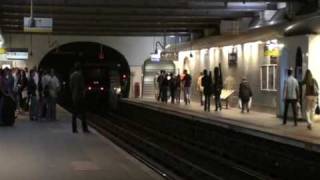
x=156 y=56
x=17 y=54
x=169 y=56
x=39 y=25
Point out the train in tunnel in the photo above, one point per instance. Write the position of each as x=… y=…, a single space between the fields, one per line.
x=106 y=72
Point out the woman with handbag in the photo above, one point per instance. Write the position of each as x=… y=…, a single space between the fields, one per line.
x=311 y=95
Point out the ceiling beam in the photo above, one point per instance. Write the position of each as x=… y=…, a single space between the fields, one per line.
x=165 y=7
x=133 y=16
x=122 y=21
x=137 y=18
x=72 y=33
x=139 y=3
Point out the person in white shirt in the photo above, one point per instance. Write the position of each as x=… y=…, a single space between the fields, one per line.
x=54 y=87
x=291 y=94
x=45 y=80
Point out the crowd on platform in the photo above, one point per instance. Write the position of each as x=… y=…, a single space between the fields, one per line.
x=169 y=87
x=35 y=91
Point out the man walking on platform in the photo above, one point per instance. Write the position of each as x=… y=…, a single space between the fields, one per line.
x=77 y=87
x=200 y=87
x=291 y=94
x=206 y=83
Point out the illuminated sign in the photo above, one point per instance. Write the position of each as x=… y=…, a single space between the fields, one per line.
x=40 y=25
x=17 y=54
x=272 y=52
x=272 y=48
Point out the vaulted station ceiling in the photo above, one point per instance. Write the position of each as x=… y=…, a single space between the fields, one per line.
x=131 y=17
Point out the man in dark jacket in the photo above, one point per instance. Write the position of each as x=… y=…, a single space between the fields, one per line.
x=206 y=83
x=186 y=81
x=162 y=86
x=172 y=87
x=77 y=87
x=245 y=94
x=218 y=86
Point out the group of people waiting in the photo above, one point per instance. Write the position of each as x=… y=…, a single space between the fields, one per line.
x=208 y=86
x=35 y=91
x=170 y=86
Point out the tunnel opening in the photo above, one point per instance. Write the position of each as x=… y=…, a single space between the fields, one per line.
x=106 y=71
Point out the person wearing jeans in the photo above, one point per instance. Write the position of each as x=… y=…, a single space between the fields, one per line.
x=291 y=94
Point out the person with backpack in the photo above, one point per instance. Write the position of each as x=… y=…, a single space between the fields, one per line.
x=311 y=96
x=245 y=94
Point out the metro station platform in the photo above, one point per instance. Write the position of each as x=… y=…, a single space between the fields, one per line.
x=264 y=125
x=49 y=150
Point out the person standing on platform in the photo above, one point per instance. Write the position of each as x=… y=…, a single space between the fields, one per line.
x=54 y=87
x=206 y=83
x=156 y=87
x=7 y=83
x=172 y=87
x=245 y=94
x=218 y=85
x=186 y=81
x=163 y=85
x=32 y=94
x=311 y=95
x=178 y=88
x=200 y=87
x=291 y=94
x=78 y=90
x=45 y=80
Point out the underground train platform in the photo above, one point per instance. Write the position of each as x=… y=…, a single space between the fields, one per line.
x=114 y=59
x=36 y=150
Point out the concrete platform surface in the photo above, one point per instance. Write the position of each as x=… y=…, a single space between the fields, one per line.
x=260 y=124
x=50 y=151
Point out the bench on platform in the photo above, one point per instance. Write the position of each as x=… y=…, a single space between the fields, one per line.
x=225 y=95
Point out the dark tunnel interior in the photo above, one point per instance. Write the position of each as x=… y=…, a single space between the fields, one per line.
x=105 y=70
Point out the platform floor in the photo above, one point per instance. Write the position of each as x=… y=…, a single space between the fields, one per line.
x=257 y=123
x=49 y=151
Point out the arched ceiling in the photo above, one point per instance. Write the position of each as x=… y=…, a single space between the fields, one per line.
x=131 y=17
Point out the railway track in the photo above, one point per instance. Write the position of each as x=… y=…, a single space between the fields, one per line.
x=162 y=152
